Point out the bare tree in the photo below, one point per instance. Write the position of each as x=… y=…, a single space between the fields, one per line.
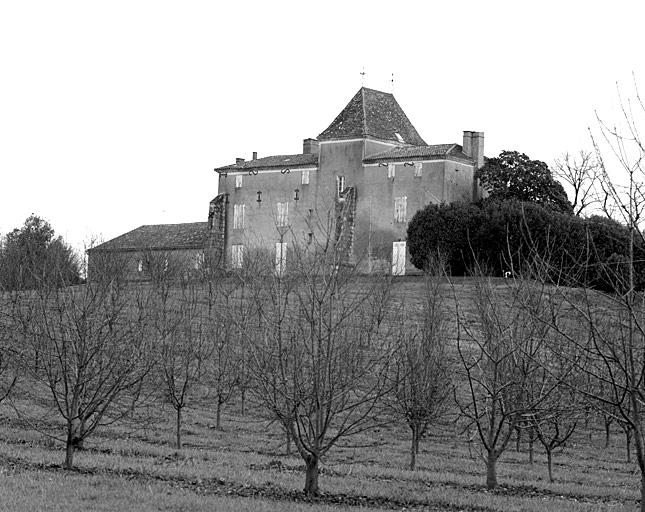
x=583 y=175
x=9 y=348
x=620 y=348
x=183 y=333
x=93 y=350
x=611 y=327
x=319 y=349
x=500 y=348
x=224 y=363
x=421 y=368
x=554 y=419
x=164 y=269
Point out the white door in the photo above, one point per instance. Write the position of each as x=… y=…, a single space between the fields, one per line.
x=280 y=258
x=398 y=259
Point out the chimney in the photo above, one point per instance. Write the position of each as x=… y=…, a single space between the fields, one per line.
x=255 y=155
x=477 y=154
x=239 y=160
x=310 y=147
x=468 y=143
x=478 y=148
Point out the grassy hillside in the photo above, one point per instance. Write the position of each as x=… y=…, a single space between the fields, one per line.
x=244 y=466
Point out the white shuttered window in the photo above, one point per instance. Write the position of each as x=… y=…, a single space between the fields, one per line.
x=283 y=215
x=400 y=209
x=238 y=216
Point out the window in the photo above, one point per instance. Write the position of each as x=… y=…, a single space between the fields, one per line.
x=400 y=209
x=199 y=260
x=283 y=215
x=398 y=258
x=340 y=185
x=305 y=177
x=418 y=167
x=391 y=170
x=237 y=256
x=238 y=216
x=280 y=258
x=238 y=181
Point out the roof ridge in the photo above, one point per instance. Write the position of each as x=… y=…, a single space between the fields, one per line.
x=364 y=112
x=419 y=151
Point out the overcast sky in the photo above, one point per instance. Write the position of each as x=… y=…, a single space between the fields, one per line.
x=114 y=114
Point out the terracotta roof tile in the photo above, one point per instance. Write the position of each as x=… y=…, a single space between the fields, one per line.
x=372 y=113
x=276 y=161
x=159 y=236
x=434 y=151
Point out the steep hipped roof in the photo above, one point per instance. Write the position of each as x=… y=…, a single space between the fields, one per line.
x=276 y=161
x=434 y=151
x=160 y=237
x=375 y=114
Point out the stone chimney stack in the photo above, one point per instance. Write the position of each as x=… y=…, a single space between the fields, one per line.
x=468 y=143
x=310 y=147
x=473 y=147
x=478 y=148
x=239 y=160
x=255 y=155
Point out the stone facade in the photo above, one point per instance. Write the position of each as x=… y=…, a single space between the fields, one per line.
x=368 y=173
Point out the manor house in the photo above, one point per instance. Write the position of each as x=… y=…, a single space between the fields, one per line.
x=368 y=172
x=357 y=185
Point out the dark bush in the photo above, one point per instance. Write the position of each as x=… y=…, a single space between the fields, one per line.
x=521 y=237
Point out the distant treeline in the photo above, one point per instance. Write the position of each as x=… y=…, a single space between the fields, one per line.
x=512 y=236
x=32 y=256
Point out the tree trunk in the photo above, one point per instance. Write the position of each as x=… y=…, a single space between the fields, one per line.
x=311 y=477
x=628 y=438
x=178 y=426
x=69 y=452
x=549 y=463
x=243 y=397
x=288 y=431
x=531 y=440
x=642 y=507
x=78 y=437
x=414 y=449
x=640 y=457
x=607 y=434
x=218 y=420
x=72 y=442
x=518 y=438
x=491 y=471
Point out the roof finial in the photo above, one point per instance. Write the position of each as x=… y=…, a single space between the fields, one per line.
x=363 y=77
x=392 y=84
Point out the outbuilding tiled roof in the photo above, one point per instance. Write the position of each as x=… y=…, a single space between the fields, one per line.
x=375 y=114
x=160 y=237
x=277 y=161
x=434 y=151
